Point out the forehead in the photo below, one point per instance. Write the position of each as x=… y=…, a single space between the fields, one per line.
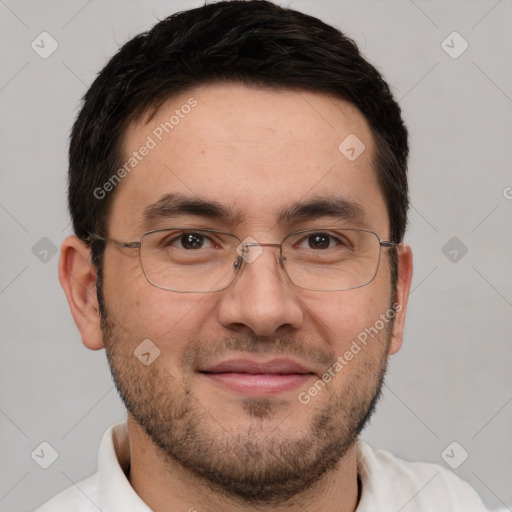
x=254 y=150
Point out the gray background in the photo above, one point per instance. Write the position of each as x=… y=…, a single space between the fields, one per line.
x=452 y=379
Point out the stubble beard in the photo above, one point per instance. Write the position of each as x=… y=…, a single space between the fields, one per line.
x=258 y=464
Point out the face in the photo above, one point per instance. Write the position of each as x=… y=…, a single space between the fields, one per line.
x=231 y=396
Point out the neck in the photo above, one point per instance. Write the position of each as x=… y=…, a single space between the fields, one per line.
x=165 y=486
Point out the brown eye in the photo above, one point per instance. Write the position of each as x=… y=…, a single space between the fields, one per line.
x=187 y=240
x=319 y=241
x=192 y=241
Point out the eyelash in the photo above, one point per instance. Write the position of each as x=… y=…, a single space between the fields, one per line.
x=172 y=238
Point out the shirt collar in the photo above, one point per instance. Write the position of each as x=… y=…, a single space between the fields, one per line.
x=115 y=490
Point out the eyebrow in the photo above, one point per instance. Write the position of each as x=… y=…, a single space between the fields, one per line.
x=325 y=206
x=176 y=205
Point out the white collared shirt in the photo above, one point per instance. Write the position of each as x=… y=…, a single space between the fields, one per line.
x=388 y=484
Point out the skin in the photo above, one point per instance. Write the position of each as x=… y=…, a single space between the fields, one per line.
x=254 y=150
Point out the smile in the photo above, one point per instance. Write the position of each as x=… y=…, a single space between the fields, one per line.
x=253 y=378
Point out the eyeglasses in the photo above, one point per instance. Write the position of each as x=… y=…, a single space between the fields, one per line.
x=185 y=259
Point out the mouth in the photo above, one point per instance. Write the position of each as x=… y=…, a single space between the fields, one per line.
x=256 y=378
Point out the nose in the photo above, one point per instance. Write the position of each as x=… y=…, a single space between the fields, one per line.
x=261 y=298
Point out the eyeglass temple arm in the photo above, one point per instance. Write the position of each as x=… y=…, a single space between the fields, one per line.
x=387 y=243
x=128 y=245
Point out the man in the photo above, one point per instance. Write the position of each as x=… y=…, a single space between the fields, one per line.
x=238 y=191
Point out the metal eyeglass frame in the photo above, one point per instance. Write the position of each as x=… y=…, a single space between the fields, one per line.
x=239 y=259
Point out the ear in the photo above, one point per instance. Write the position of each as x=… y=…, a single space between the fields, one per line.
x=402 y=296
x=77 y=277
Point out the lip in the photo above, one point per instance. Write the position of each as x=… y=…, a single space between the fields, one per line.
x=258 y=378
x=281 y=366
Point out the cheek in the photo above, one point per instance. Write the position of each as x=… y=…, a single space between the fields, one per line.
x=143 y=311
x=173 y=318
x=343 y=317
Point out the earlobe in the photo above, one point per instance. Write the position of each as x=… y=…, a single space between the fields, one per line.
x=77 y=277
x=405 y=268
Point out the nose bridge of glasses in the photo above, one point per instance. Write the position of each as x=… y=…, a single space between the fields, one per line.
x=257 y=244
x=250 y=250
